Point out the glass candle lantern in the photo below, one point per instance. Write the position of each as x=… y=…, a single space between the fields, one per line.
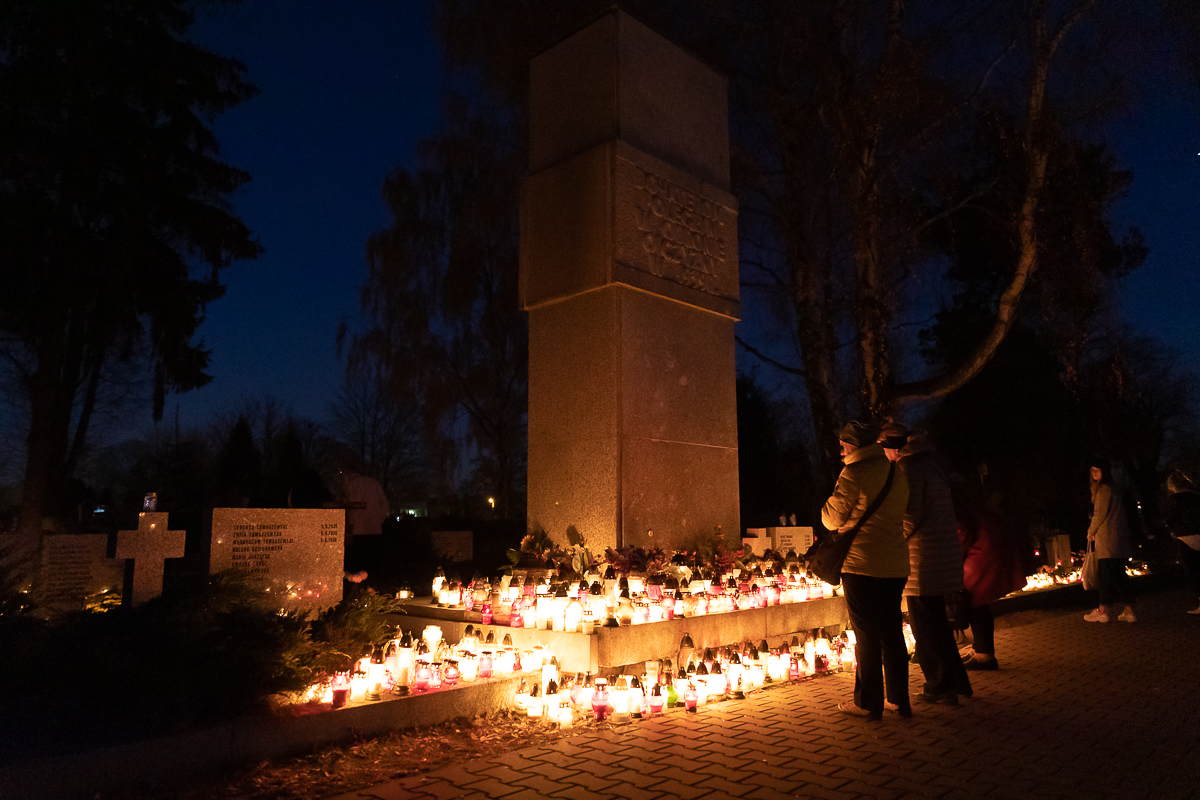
x=486 y=666
x=376 y=675
x=340 y=689
x=619 y=697
x=691 y=698
x=537 y=704
x=656 y=700
x=439 y=580
x=573 y=616
x=600 y=699
x=451 y=673
x=521 y=699
x=468 y=664
x=423 y=675
x=637 y=698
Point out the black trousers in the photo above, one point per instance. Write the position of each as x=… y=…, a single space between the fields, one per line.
x=1114 y=583
x=874 y=607
x=983 y=630
x=937 y=654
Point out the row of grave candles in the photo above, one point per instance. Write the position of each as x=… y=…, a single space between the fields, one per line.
x=407 y=664
x=728 y=672
x=580 y=606
x=404 y=665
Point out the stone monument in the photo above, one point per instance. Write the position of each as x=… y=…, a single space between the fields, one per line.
x=149 y=546
x=74 y=566
x=629 y=271
x=297 y=555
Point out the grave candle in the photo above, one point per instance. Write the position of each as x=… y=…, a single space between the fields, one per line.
x=376 y=672
x=656 y=700
x=600 y=699
x=423 y=676
x=468 y=664
x=566 y=717
x=439 y=579
x=637 y=698
x=691 y=698
x=536 y=704
x=340 y=686
x=573 y=616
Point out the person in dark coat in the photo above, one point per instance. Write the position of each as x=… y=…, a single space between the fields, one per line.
x=1183 y=523
x=995 y=563
x=935 y=563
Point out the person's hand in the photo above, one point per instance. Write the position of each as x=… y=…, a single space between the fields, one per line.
x=1091 y=537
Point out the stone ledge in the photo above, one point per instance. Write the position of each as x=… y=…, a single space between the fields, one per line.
x=176 y=759
x=610 y=648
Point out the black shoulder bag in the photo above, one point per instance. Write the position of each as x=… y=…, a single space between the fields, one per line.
x=825 y=558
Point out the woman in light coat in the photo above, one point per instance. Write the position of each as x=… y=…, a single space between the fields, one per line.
x=1110 y=533
x=875 y=570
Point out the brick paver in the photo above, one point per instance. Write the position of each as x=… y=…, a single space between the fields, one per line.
x=1078 y=710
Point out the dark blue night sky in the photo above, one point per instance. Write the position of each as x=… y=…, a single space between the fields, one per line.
x=347 y=91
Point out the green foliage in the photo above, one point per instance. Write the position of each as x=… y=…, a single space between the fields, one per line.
x=174 y=663
x=539 y=550
x=114 y=213
x=713 y=552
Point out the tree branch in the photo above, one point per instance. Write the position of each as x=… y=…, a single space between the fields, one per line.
x=767 y=359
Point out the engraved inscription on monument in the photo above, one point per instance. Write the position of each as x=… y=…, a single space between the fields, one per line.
x=75 y=566
x=681 y=235
x=297 y=554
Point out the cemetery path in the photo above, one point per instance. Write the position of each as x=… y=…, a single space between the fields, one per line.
x=1078 y=709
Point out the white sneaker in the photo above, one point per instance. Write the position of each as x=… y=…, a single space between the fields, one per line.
x=1195 y=610
x=1096 y=616
x=1127 y=615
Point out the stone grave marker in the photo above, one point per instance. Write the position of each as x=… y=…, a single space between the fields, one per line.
x=454 y=545
x=791 y=538
x=296 y=554
x=74 y=567
x=757 y=540
x=149 y=546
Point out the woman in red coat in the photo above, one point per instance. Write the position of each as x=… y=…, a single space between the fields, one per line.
x=995 y=563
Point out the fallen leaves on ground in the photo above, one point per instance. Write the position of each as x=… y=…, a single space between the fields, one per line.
x=399 y=754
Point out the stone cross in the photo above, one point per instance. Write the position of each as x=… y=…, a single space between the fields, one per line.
x=149 y=546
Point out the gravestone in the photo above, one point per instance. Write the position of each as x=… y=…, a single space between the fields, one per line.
x=148 y=547
x=297 y=555
x=629 y=271
x=74 y=567
x=791 y=537
x=453 y=545
x=756 y=541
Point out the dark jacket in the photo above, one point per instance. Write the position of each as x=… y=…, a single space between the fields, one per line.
x=1183 y=517
x=935 y=557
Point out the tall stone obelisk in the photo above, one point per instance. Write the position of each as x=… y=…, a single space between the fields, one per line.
x=629 y=271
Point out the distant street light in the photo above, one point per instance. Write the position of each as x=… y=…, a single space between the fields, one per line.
x=492 y=502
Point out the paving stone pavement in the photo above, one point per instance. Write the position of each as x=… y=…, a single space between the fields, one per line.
x=1077 y=710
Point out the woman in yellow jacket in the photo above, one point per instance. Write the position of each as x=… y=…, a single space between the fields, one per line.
x=875 y=570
